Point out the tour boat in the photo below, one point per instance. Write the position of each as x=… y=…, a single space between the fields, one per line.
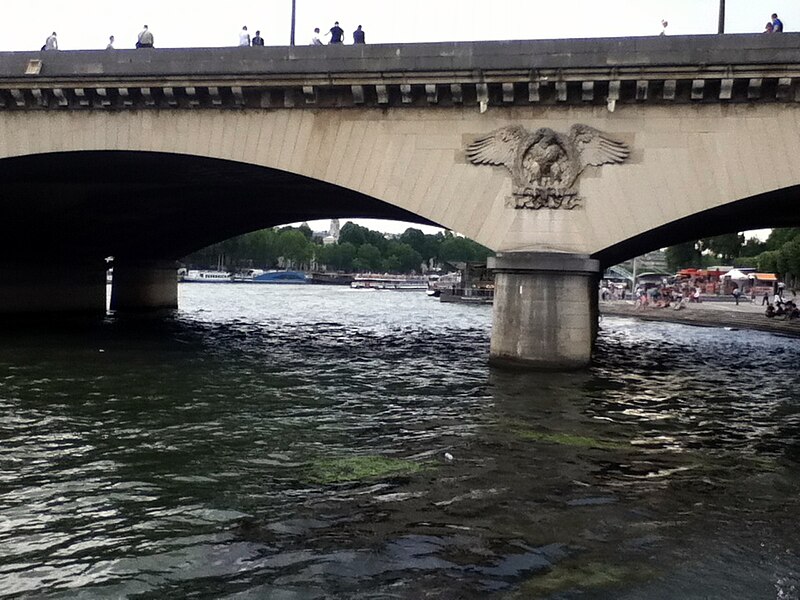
x=388 y=282
x=198 y=276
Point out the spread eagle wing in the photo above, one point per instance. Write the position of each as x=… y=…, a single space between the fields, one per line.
x=500 y=147
x=594 y=148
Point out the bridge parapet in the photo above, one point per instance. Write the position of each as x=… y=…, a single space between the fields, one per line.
x=697 y=69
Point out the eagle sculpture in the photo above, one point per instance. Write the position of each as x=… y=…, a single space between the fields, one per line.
x=545 y=164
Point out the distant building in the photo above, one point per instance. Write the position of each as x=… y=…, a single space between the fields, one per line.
x=333 y=233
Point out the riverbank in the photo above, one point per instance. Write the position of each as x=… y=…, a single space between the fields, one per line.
x=709 y=314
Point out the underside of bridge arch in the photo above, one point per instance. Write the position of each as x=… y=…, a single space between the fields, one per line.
x=778 y=208
x=144 y=205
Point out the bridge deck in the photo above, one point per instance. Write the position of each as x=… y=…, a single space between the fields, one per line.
x=687 y=68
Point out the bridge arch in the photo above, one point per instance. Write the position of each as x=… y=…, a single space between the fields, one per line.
x=773 y=209
x=362 y=162
x=685 y=160
x=711 y=121
x=154 y=205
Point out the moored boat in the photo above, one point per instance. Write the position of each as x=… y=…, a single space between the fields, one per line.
x=206 y=276
x=260 y=276
x=387 y=282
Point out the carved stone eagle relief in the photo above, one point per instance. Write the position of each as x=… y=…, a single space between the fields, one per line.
x=545 y=165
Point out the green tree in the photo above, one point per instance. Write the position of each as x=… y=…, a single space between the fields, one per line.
x=345 y=255
x=392 y=265
x=337 y=257
x=352 y=234
x=426 y=245
x=455 y=248
x=683 y=256
x=778 y=237
x=306 y=231
x=401 y=258
x=788 y=260
x=791 y=251
x=753 y=247
x=295 y=248
x=726 y=247
x=750 y=262
x=368 y=258
x=768 y=261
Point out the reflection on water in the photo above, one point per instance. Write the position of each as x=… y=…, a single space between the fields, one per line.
x=289 y=442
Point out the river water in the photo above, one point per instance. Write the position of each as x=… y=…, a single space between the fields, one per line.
x=318 y=442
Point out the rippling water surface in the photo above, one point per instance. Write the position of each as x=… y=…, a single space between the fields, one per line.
x=296 y=442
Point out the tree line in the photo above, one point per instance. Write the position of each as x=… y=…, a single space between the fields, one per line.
x=779 y=254
x=358 y=250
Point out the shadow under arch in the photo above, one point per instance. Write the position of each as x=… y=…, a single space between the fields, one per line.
x=150 y=205
x=778 y=208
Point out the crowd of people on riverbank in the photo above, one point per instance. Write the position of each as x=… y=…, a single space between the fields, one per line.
x=145 y=38
x=678 y=298
x=665 y=296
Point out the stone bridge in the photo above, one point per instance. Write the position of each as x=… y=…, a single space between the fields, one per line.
x=560 y=155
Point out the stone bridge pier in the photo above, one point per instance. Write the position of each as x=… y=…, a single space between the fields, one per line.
x=144 y=286
x=545 y=310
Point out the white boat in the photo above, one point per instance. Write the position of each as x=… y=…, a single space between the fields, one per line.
x=389 y=282
x=197 y=276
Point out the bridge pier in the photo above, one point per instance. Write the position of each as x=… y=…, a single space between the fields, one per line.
x=78 y=287
x=545 y=310
x=144 y=286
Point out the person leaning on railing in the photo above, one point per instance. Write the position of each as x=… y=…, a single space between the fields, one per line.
x=145 y=39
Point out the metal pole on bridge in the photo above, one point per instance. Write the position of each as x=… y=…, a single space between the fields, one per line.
x=721 y=28
x=294 y=15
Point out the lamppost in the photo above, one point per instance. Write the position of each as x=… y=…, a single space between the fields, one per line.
x=294 y=15
x=721 y=28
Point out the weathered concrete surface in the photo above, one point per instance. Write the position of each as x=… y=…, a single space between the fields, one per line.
x=544 y=310
x=144 y=286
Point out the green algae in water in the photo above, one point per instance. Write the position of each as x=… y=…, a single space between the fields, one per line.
x=589 y=576
x=358 y=468
x=567 y=439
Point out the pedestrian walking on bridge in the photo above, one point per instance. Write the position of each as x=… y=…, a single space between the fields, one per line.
x=257 y=39
x=244 y=37
x=777 y=24
x=358 y=36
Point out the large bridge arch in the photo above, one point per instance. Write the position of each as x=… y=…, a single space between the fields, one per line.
x=407 y=163
x=153 y=205
x=686 y=160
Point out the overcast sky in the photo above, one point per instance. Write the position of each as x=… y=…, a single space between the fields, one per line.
x=86 y=24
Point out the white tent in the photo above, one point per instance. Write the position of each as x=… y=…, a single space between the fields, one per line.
x=735 y=275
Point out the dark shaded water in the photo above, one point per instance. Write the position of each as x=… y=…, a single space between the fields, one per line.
x=239 y=450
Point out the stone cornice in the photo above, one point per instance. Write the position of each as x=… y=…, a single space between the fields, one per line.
x=662 y=70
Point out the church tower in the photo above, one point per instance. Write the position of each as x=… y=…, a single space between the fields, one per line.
x=334 y=229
